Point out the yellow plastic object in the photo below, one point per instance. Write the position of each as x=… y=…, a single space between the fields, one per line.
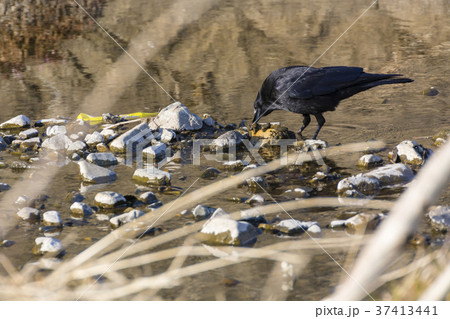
x=98 y=119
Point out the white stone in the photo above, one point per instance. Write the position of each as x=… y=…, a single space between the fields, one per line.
x=57 y=142
x=48 y=245
x=28 y=213
x=202 y=211
x=360 y=183
x=92 y=173
x=137 y=137
x=108 y=199
x=234 y=164
x=155 y=151
x=239 y=232
x=392 y=174
x=177 y=117
x=148 y=197
x=31 y=142
x=102 y=159
x=77 y=147
x=52 y=217
x=82 y=209
x=94 y=138
x=369 y=160
x=337 y=223
x=18 y=121
x=409 y=149
x=440 y=217
x=294 y=224
x=255 y=199
x=152 y=175
x=167 y=135
x=108 y=134
x=227 y=140
x=312 y=145
x=51 y=122
x=32 y=132
x=55 y=130
x=126 y=217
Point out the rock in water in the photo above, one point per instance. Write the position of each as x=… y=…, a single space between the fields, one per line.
x=410 y=152
x=202 y=211
x=371 y=182
x=138 y=137
x=109 y=199
x=155 y=151
x=16 y=122
x=79 y=209
x=4 y=187
x=55 y=130
x=3 y=145
x=52 y=218
x=177 y=117
x=102 y=159
x=227 y=140
x=369 y=161
x=392 y=174
x=148 y=197
x=30 y=133
x=57 y=142
x=151 y=175
x=293 y=227
x=222 y=230
x=440 y=217
x=48 y=245
x=125 y=218
x=92 y=173
x=28 y=213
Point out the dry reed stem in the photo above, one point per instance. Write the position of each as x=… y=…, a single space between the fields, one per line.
x=147 y=244
x=167 y=211
x=388 y=240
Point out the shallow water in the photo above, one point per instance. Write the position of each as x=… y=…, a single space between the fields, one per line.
x=216 y=65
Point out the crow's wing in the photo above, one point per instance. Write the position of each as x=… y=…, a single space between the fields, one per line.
x=320 y=81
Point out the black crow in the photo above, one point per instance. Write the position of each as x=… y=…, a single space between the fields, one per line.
x=312 y=91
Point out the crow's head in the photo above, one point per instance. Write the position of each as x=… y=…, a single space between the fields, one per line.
x=260 y=108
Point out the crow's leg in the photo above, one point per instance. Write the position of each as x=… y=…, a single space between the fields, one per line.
x=306 y=121
x=321 y=121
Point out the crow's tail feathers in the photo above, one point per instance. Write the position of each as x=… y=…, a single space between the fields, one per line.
x=371 y=80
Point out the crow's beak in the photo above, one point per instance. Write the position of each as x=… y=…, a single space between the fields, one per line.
x=256 y=116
